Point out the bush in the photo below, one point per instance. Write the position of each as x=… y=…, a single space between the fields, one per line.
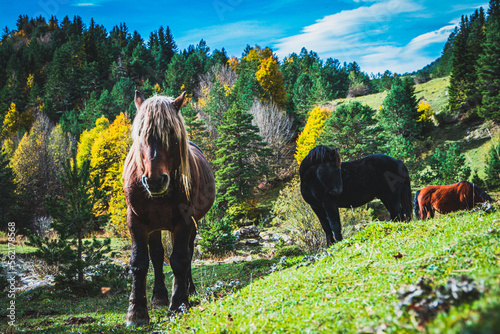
x=294 y=214
x=242 y=212
x=492 y=169
x=446 y=166
x=217 y=238
x=111 y=275
x=292 y=250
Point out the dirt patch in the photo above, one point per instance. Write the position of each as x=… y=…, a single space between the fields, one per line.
x=79 y=320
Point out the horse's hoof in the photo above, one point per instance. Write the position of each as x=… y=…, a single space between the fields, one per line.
x=137 y=318
x=159 y=302
x=178 y=308
x=131 y=323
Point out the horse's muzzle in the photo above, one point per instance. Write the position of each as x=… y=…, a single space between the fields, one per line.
x=156 y=187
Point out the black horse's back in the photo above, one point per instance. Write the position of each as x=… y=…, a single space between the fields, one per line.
x=377 y=176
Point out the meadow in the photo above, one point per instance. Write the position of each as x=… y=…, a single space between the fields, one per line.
x=355 y=286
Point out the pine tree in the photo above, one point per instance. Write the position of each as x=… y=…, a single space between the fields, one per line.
x=398 y=115
x=489 y=66
x=474 y=44
x=8 y=197
x=398 y=118
x=349 y=129
x=460 y=68
x=73 y=215
x=238 y=153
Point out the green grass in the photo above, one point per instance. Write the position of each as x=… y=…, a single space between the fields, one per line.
x=19 y=249
x=352 y=288
x=433 y=91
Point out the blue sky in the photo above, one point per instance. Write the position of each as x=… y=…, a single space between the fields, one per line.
x=396 y=35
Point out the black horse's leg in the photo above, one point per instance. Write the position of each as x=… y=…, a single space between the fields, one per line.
x=180 y=261
x=137 y=313
x=393 y=205
x=323 y=219
x=156 y=254
x=332 y=211
x=190 y=284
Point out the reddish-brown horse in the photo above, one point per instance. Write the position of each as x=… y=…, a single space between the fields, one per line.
x=444 y=199
x=169 y=185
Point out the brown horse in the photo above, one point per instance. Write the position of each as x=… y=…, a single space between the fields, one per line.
x=169 y=185
x=444 y=199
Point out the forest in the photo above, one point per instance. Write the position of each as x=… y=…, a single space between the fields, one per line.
x=66 y=101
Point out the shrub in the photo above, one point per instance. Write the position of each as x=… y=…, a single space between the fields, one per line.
x=292 y=250
x=242 y=212
x=294 y=214
x=111 y=275
x=446 y=166
x=217 y=237
x=492 y=169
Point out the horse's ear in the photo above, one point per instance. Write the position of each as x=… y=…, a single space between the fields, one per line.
x=179 y=101
x=138 y=99
x=339 y=161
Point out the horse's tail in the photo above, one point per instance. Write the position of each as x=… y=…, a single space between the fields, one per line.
x=481 y=193
x=416 y=206
x=406 y=203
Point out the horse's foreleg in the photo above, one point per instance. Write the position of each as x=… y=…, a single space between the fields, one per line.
x=180 y=261
x=190 y=284
x=332 y=211
x=323 y=219
x=137 y=313
x=156 y=253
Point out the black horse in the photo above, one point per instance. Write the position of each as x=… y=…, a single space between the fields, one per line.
x=327 y=184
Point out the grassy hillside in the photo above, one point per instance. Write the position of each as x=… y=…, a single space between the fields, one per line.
x=352 y=288
x=475 y=137
x=434 y=91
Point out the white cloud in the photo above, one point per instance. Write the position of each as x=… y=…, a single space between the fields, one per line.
x=365 y=35
x=406 y=58
x=356 y=27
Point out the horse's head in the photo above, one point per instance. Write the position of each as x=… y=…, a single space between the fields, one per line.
x=329 y=173
x=326 y=163
x=161 y=139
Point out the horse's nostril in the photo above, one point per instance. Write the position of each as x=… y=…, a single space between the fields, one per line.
x=165 y=179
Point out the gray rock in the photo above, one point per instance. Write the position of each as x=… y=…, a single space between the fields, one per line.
x=248 y=232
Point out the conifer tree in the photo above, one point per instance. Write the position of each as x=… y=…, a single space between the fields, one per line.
x=7 y=191
x=398 y=118
x=349 y=129
x=239 y=149
x=398 y=114
x=489 y=66
x=460 y=68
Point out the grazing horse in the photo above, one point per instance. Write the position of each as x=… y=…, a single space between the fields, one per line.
x=327 y=184
x=169 y=185
x=444 y=199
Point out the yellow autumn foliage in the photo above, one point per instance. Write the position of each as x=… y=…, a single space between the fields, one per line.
x=233 y=63
x=10 y=122
x=107 y=156
x=307 y=138
x=425 y=112
x=271 y=80
x=87 y=139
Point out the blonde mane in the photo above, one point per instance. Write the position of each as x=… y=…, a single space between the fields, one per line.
x=158 y=118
